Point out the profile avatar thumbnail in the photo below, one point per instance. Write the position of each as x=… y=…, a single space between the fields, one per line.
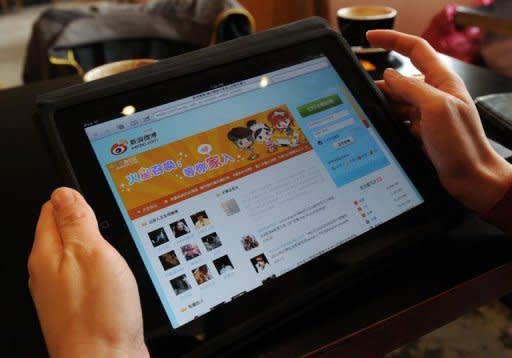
x=179 y=228
x=169 y=260
x=249 y=242
x=190 y=251
x=200 y=219
x=158 y=237
x=223 y=265
x=202 y=274
x=180 y=284
x=211 y=241
x=260 y=263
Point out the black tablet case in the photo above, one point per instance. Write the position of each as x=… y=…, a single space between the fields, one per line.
x=238 y=49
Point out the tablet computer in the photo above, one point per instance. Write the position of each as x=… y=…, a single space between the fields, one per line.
x=244 y=181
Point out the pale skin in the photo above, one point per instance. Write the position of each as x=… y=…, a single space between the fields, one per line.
x=444 y=119
x=86 y=296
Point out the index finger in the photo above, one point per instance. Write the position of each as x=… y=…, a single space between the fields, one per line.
x=422 y=55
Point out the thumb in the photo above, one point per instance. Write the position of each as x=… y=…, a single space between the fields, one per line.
x=411 y=90
x=75 y=219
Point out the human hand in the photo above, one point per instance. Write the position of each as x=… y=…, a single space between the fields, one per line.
x=442 y=116
x=85 y=295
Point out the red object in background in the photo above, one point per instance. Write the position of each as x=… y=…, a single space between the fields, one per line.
x=462 y=43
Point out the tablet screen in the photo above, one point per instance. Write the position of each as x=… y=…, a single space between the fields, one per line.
x=229 y=188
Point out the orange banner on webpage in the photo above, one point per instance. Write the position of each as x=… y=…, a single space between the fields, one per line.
x=166 y=175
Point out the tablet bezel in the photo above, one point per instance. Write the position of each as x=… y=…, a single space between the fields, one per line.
x=279 y=293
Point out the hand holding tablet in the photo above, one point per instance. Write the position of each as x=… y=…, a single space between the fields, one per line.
x=85 y=294
x=443 y=117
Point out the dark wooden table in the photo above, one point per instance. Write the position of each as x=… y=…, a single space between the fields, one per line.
x=434 y=282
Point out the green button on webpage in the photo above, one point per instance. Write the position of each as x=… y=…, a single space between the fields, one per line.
x=319 y=105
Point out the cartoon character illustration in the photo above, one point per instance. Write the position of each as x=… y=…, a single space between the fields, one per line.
x=282 y=121
x=243 y=139
x=262 y=133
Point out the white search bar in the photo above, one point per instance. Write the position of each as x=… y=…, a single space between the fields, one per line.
x=328 y=119
x=333 y=128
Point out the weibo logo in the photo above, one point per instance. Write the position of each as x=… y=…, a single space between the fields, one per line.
x=119 y=148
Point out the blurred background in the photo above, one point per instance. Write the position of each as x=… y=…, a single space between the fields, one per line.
x=30 y=28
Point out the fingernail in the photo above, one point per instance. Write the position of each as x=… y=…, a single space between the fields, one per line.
x=391 y=72
x=62 y=197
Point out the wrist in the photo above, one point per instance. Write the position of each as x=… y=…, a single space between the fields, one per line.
x=101 y=348
x=484 y=184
